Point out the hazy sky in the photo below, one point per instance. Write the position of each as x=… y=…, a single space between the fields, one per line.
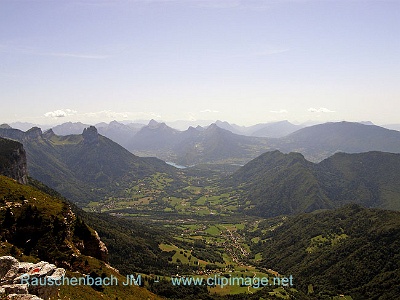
x=245 y=62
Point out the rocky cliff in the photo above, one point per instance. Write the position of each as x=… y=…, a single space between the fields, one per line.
x=13 y=160
x=37 y=224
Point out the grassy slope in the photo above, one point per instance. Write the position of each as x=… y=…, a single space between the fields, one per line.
x=352 y=250
x=38 y=229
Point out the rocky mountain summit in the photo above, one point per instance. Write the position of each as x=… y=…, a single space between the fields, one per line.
x=90 y=135
x=18 y=279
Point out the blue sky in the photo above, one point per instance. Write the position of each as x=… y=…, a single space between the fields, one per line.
x=241 y=61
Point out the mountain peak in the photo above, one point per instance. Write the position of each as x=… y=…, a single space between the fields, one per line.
x=90 y=134
x=215 y=129
x=221 y=122
x=213 y=126
x=33 y=133
x=115 y=123
x=69 y=128
x=5 y=126
x=153 y=123
x=49 y=133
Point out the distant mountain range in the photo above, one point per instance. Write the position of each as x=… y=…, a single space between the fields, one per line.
x=118 y=132
x=321 y=141
x=83 y=167
x=214 y=144
x=195 y=145
x=271 y=130
x=224 y=143
x=69 y=128
x=191 y=146
x=277 y=184
x=115 y=131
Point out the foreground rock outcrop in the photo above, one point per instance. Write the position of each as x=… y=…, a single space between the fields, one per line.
x=21 y=280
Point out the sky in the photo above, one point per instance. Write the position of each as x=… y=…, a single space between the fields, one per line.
x=241 y=61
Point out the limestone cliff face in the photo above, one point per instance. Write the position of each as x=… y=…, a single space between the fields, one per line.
x=93 y=246
x=13 y=160
x=89 y=241
x=86 y=241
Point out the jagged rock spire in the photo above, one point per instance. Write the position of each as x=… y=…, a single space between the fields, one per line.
x=90 y=135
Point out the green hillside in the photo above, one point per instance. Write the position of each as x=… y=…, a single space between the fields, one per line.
x=277 y=183
x=37 y=226
x=352 y=251
x=36 y=223
x=370 y=179
x=133 y=246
